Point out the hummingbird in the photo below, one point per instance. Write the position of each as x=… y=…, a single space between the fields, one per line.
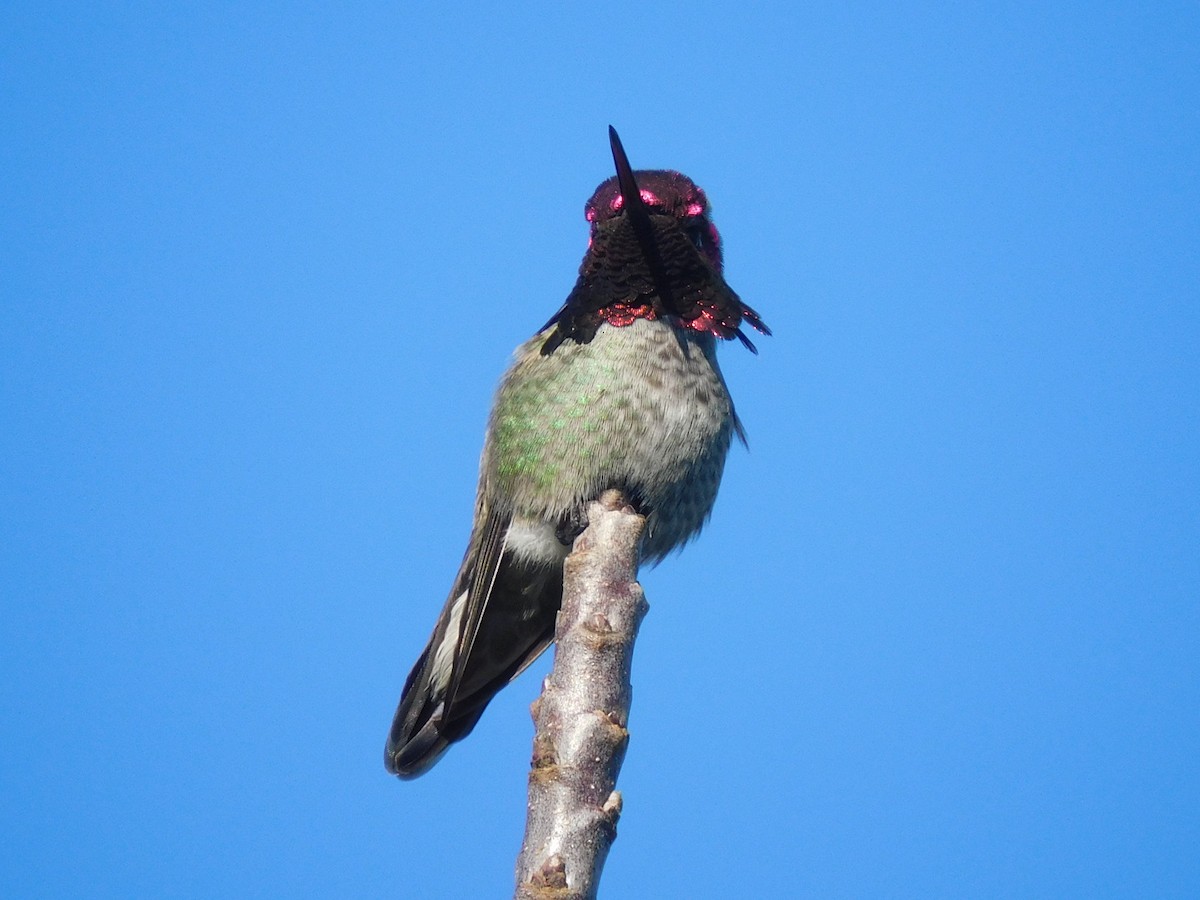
x=619 y=389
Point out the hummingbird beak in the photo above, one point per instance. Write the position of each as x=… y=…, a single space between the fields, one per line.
x=634 y=206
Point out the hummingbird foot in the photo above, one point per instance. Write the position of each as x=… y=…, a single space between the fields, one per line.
x=571 y=525
x=574 y=522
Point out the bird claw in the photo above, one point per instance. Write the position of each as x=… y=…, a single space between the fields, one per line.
x=571 y=525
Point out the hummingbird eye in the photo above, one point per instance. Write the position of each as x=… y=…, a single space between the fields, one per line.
x=697 y=230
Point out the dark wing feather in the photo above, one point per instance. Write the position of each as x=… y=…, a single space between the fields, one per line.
x=498 y=619
x=479 y=592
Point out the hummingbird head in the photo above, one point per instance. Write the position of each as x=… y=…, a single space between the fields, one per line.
x=653 y=253
x=662 y=192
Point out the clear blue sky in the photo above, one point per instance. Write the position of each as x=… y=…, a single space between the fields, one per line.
x=260 y=270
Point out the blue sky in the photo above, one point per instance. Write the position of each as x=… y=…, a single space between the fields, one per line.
x=261 y=268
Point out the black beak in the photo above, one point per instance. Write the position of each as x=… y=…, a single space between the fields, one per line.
x=634 y=207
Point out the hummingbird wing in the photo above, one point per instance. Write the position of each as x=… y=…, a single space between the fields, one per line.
x=482 y=579
x=498 y=619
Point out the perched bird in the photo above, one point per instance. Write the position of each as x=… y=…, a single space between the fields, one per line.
x=620 y=389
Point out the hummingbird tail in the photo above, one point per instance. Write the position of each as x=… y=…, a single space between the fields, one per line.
x=415 y=741
x=454 y=679
x=419 y=736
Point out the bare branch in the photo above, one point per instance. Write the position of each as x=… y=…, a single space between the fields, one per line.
x=583 y=712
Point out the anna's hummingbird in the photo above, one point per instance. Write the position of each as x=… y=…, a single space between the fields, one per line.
x=620 y=389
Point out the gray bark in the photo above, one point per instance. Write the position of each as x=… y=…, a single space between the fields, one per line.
x=582 y=716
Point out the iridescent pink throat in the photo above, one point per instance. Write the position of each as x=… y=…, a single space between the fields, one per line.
x=708 y=321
